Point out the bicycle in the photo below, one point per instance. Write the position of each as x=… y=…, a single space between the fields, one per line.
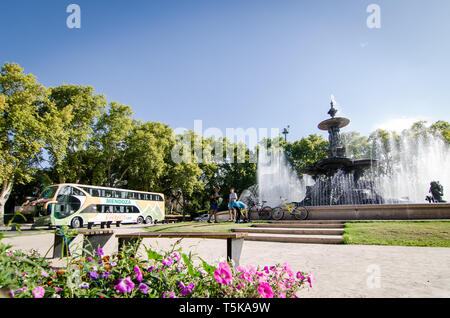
x=298 y=210
x=264 y=212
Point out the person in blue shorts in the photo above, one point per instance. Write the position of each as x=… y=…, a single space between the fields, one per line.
x=214 y=204
x=239 y=205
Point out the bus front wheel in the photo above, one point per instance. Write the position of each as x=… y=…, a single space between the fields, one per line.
x=76 y=223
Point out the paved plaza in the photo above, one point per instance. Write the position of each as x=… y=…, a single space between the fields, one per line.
x=340 y=270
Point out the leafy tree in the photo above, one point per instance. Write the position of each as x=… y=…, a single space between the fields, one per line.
x=441 y=128
x=306 y=151
x=21 y=133
x=108 y=145
x=148 y=147
x=86 y=106
x=357 y=146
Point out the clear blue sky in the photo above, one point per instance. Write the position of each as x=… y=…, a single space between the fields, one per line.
x=242 y=63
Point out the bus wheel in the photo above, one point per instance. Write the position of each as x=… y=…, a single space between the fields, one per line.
x=148 y=220
x=140 y=220
x=76 y=223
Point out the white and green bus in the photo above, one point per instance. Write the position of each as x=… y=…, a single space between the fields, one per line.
x=77 y=205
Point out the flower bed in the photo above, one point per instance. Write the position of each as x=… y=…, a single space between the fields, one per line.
x=173 y=275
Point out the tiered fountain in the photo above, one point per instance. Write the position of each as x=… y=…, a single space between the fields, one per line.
x=339 y=180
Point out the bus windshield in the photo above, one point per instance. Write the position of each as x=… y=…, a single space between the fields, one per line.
x=49 y=192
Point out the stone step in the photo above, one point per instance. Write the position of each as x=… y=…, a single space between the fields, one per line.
x=306 y=239
x=291 y=231
x=308 y=222
x=300 y=226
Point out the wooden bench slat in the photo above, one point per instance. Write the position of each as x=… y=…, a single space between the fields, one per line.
x=206 y=235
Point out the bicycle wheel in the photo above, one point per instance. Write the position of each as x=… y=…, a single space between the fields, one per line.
x=277 y=213
x=300 y=213
x=265 y=212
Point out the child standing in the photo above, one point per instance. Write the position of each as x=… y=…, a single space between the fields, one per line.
x=231 y=210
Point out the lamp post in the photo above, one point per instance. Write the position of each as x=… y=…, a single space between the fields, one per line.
x=285 y=132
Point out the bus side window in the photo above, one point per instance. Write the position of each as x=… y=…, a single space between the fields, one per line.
x=116 y=194
x=108 y=193
x=135 y=209
x=130 y=195
x=75 y=191
x=123 y=195
x=65 y=191
x=90 y=209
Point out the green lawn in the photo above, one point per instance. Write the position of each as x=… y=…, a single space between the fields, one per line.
x=197 y=227
x=399 y=233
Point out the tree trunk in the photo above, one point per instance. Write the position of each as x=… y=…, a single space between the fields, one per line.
x=4 y=195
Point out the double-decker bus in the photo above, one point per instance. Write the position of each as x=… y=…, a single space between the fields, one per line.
x=75 y=205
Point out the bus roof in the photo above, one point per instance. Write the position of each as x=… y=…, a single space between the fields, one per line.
x=98 y=187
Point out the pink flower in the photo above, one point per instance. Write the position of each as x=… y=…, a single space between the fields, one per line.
x=261 y=277
x=281 y=295
x=223 y=274
x=125 y=285
x=168 y=294
x=265 y=290
x=288 y=270
x=138 y=272
x=143 y=288
x=44 y=273
x=39 y=292
x=176 y=257
x=186 y=289
x=281 y=286
x=251 y=269
x=168 y=261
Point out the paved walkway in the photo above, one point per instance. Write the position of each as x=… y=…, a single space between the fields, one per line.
x=340 y=270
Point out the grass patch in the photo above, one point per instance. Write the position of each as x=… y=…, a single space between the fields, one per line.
x=197 y=227
x=398 y=233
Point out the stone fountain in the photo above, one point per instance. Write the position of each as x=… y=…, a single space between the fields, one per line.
x=339 y=180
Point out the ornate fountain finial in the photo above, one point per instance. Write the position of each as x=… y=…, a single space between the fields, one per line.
x=332 y=112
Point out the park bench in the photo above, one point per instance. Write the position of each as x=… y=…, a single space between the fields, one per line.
x=92 y=241
x=234 y=240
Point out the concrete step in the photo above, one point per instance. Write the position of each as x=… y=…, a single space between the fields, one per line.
x=308 y=222
x=300 y=226
x=290 y=231
x=308 y=239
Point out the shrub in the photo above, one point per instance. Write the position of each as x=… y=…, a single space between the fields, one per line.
x=171 y=275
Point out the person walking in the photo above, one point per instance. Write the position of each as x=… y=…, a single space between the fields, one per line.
x=214 y=204
x=231 y=210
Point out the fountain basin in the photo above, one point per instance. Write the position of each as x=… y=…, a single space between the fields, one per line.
x=378 y=212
